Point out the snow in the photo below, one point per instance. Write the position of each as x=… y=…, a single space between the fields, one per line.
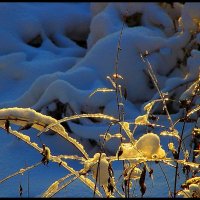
x=21 y=63
x=108 y=19
x=190 y=16
x=42 y=63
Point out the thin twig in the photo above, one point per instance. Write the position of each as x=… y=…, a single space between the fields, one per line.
x=120 y=112
x=116 y=72
x=63 y=186
x=154 y=79
x=165 y=178
x=181 y=138
x=21 y=171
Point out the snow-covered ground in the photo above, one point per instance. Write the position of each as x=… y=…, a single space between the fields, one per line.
x=58 y=53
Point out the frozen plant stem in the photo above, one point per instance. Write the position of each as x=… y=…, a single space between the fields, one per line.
x=97 y=174
x=102 y=147
x=154 y=79
x=65 y=185
x=120 y=112
x=166 y=180
x=181 y=137
x=116 y=73
x=20 y=172
x=179 y=148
